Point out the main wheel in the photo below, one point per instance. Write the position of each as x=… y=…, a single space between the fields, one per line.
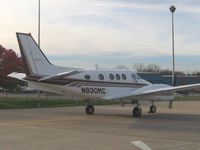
x=137 y=112
x=89 y=109
x=153 y=109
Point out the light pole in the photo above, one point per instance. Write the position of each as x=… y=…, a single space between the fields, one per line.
x=39 y=23
x=172 y=9
x=39 y=36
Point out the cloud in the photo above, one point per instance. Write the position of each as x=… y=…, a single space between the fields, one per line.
x=75 y=27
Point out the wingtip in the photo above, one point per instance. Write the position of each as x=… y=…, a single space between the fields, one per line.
x=17 y=33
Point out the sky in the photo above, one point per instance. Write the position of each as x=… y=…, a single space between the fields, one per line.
x=82 y=33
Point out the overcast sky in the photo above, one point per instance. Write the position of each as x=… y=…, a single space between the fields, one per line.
x=82 y=33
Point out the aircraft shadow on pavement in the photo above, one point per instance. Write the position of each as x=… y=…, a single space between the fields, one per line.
x=172 y=117
x=160 y=121
x=158 y=116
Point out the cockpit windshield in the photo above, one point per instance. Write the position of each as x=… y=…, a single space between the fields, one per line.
x=138 y=77
x=135 y=76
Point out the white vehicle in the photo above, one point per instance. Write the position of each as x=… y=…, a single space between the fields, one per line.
x=90 y=84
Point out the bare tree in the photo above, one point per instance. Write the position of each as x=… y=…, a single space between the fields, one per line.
x=153 y=68
x=139 y=67
x=122 y=67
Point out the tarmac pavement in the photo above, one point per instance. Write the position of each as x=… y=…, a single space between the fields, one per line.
x=110 y=128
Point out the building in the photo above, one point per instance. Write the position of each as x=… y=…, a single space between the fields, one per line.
x=167 y=79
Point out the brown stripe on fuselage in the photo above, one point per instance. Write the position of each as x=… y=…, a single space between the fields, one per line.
x=113 y=84
x=78 y=83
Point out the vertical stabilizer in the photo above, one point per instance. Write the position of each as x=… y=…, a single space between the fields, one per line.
x=34 y=59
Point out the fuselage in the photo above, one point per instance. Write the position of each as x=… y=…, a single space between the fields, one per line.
x=93 y=83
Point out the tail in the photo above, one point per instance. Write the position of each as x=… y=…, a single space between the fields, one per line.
x=35 y=62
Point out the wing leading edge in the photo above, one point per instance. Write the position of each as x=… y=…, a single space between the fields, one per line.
x=153 y=89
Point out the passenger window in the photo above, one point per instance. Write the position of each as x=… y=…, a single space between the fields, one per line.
x=87 y=77
x=101 y=77
x=117 y=76
x=111 y=76
x=123 y=76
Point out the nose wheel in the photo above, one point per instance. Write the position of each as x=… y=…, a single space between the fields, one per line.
x=89 y=109
x=137 y=112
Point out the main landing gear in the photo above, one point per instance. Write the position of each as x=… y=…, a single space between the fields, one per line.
x=137 y=110
x=89 y=109
x=152 y=109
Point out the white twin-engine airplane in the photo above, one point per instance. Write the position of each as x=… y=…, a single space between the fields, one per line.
x=90 y=84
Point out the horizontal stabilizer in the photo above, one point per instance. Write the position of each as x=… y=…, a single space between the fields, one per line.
x=59 y=75
x=19 y=76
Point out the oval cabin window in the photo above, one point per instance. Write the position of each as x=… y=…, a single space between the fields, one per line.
x=87 y=77
x=117 y=76
x=101 y=77
x=123 y=76
x=111 y=76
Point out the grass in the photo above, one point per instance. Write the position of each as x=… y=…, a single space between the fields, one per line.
x=187 y=98
x=22 y=102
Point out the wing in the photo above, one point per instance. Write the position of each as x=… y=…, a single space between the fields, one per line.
x=152 y=89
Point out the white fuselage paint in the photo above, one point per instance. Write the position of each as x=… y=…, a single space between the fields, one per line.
x=94 y=87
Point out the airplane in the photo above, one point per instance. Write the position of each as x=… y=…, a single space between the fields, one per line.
x=90 y=84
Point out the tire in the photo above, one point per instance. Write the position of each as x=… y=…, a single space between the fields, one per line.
x=137 y=112
x=153 y=109
x=89 y=109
